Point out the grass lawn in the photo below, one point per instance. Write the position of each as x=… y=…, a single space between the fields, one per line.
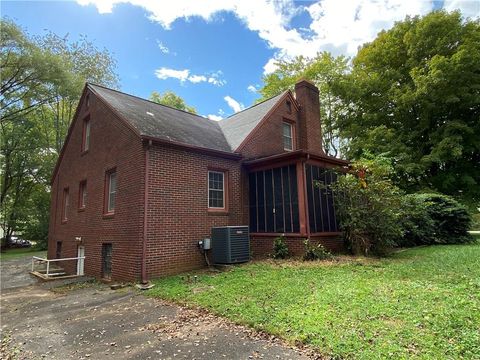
x=422 y=302
x=15 y=253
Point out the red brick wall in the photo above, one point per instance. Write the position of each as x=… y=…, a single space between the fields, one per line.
x=178 y=215
x=112 y=144
x=262 y=246
x=268 y=138
x=309 y=117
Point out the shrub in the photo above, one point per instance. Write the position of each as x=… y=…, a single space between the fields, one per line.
x=435 y=219
x=368 y=207
x=418 y=226
x=315 y=252
x=280 y=248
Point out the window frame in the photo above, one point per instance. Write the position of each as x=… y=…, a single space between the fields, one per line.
x=292 y=135
x=224 y=190
x=108 y=176
x=86 y=133
x=82 y=194
x=65 y=204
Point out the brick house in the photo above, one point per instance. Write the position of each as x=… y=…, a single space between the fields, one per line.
x=138 y=184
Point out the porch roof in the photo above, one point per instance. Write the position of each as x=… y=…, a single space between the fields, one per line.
x=293 y=156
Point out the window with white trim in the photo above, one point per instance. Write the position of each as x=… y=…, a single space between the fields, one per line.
x=66 y=202
x=287 y=136
x=216 y=190
x=86 y=135
x=111 y=191
x=82 y=195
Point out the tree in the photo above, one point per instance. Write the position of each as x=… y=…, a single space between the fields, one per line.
x=414 y=95
x=42 y=80
x=328 y=73
x=368 y=206
x=28 y=72
x=169 y=98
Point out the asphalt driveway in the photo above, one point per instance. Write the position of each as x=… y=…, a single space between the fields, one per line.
x=94 y=322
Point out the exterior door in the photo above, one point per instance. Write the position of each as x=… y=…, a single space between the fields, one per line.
x=80 y=262
x=107 y=261
x=58 y=253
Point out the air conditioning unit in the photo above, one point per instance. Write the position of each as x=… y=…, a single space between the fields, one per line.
x=230 y=244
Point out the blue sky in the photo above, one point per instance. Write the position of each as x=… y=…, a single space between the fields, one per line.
x=214 y=53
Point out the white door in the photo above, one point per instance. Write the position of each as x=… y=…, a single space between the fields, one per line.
x=80 y=254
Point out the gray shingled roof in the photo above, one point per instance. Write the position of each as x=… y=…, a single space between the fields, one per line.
x=166 y=123
x=237 y=127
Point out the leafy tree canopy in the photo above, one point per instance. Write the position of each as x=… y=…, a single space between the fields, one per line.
x=414 y=95
x=42 y=79
x=327 y=72
x=169 y=98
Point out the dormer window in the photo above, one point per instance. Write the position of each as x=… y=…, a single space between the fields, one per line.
x=287 y=136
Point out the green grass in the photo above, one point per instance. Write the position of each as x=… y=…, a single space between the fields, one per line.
x=15 y=253
x=420 y=303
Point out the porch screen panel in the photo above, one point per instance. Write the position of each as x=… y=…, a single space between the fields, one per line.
x=274 y=200
x=269 y=209
x=287 y=201
x=252 y=184
x=278 y=200
x=310 y=198
x=321 y=209
x=294 y=197
x=261 y=201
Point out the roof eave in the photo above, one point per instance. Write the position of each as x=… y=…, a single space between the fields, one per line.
x=194 y=148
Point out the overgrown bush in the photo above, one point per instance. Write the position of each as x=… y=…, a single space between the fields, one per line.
x=280 y=248
x=418 y=226
x=368 y=207
x=315 y=252
x=434 y=219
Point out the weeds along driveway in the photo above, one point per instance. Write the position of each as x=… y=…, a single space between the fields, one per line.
x=96 y=322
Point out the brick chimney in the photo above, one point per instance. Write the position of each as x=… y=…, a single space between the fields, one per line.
x=310 y=135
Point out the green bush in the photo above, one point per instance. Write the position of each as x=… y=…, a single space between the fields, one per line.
x=315 y=252
x=280 y=248
x=369 y=207
x=418 y=226
x=435 y=219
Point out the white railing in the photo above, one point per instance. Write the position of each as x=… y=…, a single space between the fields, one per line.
x=48 y=261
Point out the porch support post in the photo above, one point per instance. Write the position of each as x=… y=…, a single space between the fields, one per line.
x=302 y=200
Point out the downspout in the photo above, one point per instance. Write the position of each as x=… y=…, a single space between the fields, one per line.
x=145 y=215
x=307 y=215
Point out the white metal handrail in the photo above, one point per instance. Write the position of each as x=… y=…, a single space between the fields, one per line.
x=48 y=261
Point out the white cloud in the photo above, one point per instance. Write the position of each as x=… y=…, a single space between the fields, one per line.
x=337 y=26
x=469 y=8
x=252 y=88
x=165 y=73
x=270 y=66
x=185 y=75
x=234 y=104
x=197 y=78
x=215 y=117
x=162 y=47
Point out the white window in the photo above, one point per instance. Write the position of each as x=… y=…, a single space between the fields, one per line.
x=287 y=136
x=111 y=191
x=216 y=190
x=66 y=201
x=82 y=196
x=86 y=135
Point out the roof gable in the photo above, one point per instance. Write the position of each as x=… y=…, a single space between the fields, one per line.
x=153 y=120
x=237 y=127
x=163 y=122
